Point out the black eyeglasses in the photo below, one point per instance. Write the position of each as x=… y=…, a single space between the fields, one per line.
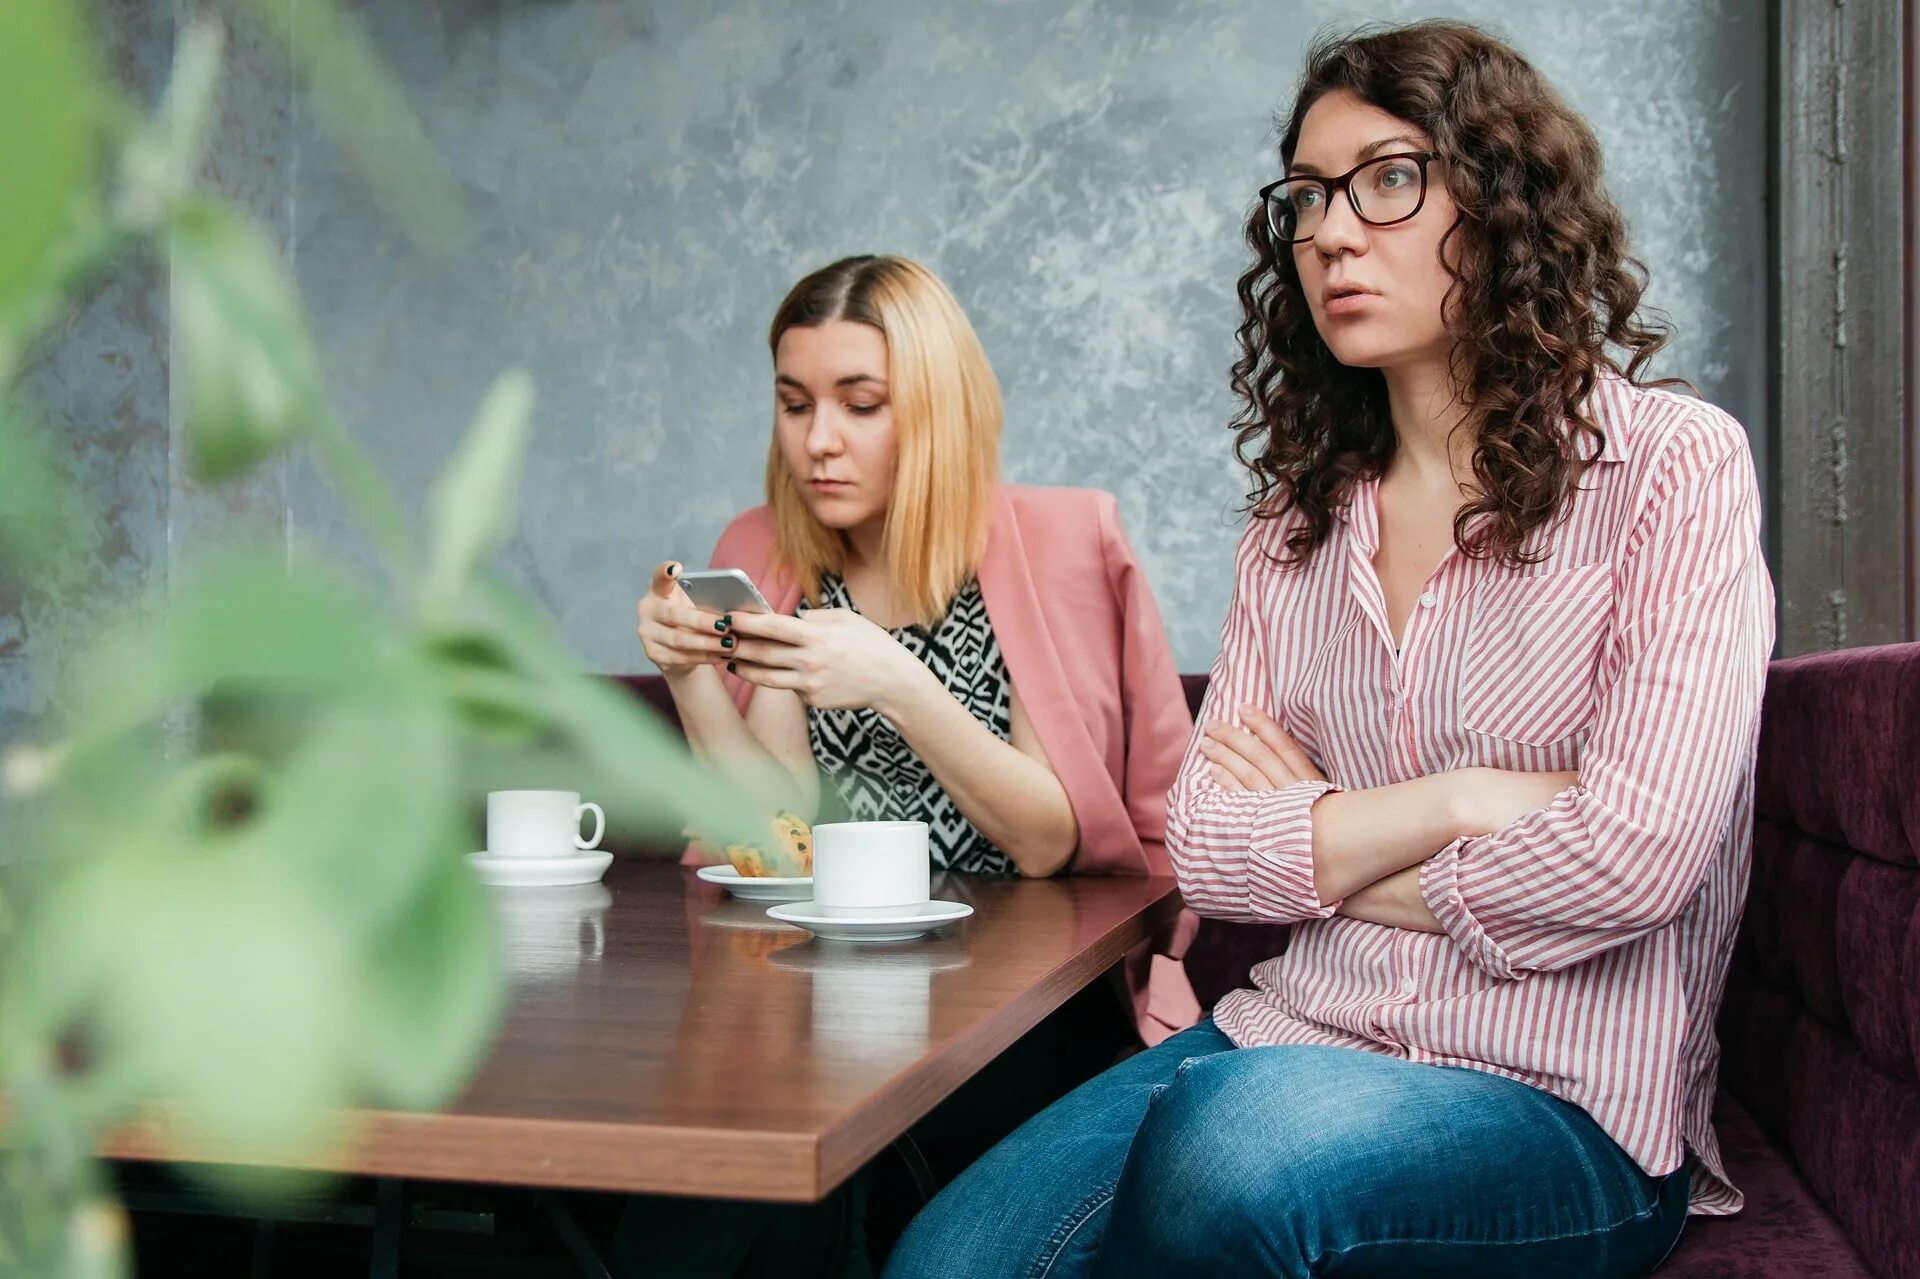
x=1384 y=190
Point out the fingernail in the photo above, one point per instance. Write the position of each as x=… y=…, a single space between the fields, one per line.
x=726 y=641
x=723 y=623
x=731 y=670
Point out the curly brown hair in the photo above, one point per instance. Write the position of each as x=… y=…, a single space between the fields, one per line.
x=1542 y=289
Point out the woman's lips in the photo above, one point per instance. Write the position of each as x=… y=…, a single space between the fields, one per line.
x=1348 y=303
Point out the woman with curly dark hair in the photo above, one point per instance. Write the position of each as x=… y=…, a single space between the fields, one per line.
x=1482 y=730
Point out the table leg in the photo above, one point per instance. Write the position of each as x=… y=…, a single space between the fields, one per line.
x=262 y=1250
x=917 y=1167
x=389 y=1223
x=585 y=1256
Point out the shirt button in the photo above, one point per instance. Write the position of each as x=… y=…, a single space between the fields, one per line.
x=1428 y=599
x=1407 y=985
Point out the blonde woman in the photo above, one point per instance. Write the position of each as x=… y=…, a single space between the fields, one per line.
x=983 y=657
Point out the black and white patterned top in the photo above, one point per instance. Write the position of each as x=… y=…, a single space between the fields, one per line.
x=876 y=775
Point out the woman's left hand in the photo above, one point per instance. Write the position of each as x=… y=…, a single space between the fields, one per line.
x=833 y=658
x=1261 y=756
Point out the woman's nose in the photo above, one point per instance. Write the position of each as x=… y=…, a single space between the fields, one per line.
x=823 y=434
x=1341 y=230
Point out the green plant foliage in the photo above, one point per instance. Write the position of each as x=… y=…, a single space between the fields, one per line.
x=252 y=380
x=234 y=887
x=48 y=151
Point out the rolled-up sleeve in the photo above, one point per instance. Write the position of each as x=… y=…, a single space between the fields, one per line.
x=1243 y=855
x=1626 y=850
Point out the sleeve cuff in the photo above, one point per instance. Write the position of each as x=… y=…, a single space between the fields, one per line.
x=1280 y=858
x=1440 y=888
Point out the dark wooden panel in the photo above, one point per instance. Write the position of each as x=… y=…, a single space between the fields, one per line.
x=1840 y=428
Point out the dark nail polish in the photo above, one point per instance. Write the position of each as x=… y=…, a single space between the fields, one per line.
x=726 y=641
x=721 y=625
x=731 y=670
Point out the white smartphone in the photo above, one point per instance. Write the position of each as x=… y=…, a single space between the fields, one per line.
x=723 y=590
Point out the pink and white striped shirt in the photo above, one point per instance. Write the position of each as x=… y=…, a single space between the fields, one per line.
x=1586 y=944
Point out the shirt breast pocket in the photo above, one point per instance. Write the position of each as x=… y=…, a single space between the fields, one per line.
x=1533 y=648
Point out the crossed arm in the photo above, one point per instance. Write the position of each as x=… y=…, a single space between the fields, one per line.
x=1368 y=845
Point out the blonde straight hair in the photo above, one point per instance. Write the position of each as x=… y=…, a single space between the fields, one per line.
x=946 y=417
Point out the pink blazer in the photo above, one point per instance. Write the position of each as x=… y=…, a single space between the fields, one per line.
x=1085 y=646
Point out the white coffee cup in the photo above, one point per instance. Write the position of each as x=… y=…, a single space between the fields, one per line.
x=863 y=870
x=539 y=823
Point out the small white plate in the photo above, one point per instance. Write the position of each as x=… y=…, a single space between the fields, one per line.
x=764 y=888
x=908 y=924
x=541 y=872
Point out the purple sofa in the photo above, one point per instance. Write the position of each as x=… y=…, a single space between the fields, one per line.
x=1819 y=1112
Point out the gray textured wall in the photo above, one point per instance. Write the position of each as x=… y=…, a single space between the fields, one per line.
x=646 y=179
x=99 y=383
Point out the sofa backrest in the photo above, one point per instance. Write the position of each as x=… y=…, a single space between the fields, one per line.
x=1820 y=1030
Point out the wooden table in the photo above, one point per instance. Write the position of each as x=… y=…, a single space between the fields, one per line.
x=664 y=1038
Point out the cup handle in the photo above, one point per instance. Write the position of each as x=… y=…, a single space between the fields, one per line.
x=599 y=825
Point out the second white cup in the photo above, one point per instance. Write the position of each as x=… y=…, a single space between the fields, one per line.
x=865 y=870
x=539 y=823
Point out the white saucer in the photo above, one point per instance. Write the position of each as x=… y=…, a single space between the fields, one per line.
x=901 y=927
x=766 y=888
x=584 y=867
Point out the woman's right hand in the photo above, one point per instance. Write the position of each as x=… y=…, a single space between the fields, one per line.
x=679 y=638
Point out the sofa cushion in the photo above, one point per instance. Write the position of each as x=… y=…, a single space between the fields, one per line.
x=1783 y=1234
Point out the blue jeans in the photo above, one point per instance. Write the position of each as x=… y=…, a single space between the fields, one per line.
x=1197 y=1158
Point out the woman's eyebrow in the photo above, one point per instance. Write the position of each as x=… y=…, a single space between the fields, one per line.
x=852 y=379
x=1367 y=152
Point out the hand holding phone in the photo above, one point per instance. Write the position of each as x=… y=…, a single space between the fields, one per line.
x=677 y=625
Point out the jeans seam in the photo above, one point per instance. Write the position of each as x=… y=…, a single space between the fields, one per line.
x=1069 y=1227
x=1637 y=1216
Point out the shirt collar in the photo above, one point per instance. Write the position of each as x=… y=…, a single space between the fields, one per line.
x=1611 y=408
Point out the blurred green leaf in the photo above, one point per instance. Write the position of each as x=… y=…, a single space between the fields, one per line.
x=56 y=1217
x=252 y=379
x=47 y=150
x=367 y=115
x=158 y=164
x=207 y=976
x=89 y=246
x=475 y=503
x=37 y=508
x=487 y=694
x=231 y=986
x=364 y=808
x=242 y=625
x=430 y=992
